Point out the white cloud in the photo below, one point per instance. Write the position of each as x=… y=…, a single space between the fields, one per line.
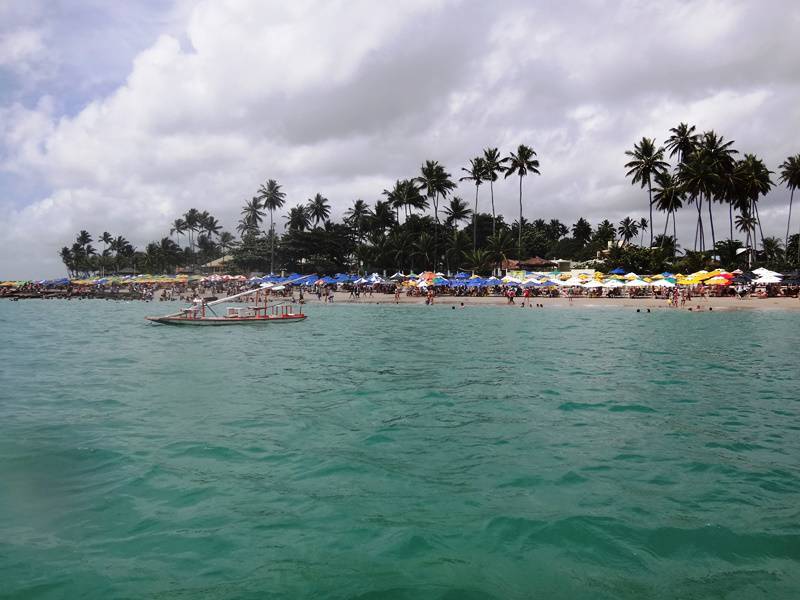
x=344 y=98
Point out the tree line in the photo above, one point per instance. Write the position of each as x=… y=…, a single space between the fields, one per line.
x=419 y=223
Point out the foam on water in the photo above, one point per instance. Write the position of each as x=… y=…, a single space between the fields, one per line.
x=399 y=452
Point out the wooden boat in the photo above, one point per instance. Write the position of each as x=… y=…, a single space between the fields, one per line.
x=263 y=311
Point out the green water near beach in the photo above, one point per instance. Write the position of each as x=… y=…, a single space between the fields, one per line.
x=383 y=452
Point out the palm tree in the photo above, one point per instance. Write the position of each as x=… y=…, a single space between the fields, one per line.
x=698 y=176
x=494 y=166
x=647 y=162
x=628 y=228
x=226 y=242
x=192 y=220
x=682 y=142
x=355 y=216
x=436 y=182
x=476 y=173
x=756 y=182
x=772 y=248
x=382 y=218
x=457 y=211
x=252 y=214
x=582 y=232
x=66 y=257
x=106 y=238
x=720 y=153
x=178 y=228
x=272 y=198
x=522 y=163
x=643 y=224
x=298 y=218
x=668 y=198
x=478 y=260
x=790 y=175
x=319 y=209
x=746 y=223
x=499 y=245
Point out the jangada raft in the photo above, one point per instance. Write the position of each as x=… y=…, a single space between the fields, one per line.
x=262 y=311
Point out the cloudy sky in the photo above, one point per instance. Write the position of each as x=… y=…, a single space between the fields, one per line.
x=119 y=116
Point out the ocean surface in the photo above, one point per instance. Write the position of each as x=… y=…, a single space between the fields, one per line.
x=399 y=452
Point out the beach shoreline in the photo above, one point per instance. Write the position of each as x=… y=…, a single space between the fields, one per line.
x=713 y=303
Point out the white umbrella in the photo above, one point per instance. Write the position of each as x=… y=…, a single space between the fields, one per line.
x=766 y=279
x=573 y=281
x=662 y=283
x=636 y=283
x=613 y=283
x=762 y=272
x=593 y=284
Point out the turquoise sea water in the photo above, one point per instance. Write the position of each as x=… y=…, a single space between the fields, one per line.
x=399 y=452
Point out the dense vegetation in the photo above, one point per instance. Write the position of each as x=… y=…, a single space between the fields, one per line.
x=420 y=224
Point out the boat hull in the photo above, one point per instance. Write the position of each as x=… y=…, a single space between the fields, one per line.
x=221 y=321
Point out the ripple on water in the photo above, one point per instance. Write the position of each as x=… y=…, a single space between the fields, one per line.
x=399 y=452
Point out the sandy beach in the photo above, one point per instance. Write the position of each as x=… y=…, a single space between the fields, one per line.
x=722 y=303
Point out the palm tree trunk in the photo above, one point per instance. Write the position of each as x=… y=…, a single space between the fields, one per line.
x=475 y=222
x=711 y=220
x=674 y=229
x=271 y=245
x=519 y=236
x=730 y=216
x=758 y=220
x=789 y=220
x=650 y=196
x=491 y=191
x=435 y=232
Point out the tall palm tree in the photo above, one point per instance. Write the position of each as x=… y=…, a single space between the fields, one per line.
x=178 y=228
x=699 y=177
x=435 y=182
x=252 y=215
x=756 y=182
x=192 y=220
x=494 y=166
x=790 y=175
x=457 y=211
x=647 y=161
x=643 y=224
x=106 y=238
x=356 y=215
x=668 y=198
x=628 y=228
x=521 y=164
x=382 y=218
x=477 y=174
x=272 y=198
x=682 y=142
x=319 y=209
x=720 y=153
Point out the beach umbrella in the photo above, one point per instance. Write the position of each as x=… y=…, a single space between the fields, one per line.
x=593 y=283
x=636 y=283
x=613 y=283
x=766 y=280
x=663 y=283
x=718 y=280
x=617 y=271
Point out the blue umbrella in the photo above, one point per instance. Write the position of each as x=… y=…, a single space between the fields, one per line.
x=618 y=271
